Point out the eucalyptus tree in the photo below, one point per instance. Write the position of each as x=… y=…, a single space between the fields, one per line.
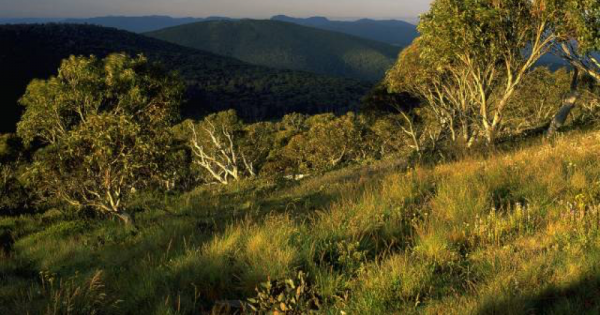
x=228 y=150
x=215 y=144
x=449 y=107
x=578 y=34
x=577 y=31
x=103 y=124
x=480 y=51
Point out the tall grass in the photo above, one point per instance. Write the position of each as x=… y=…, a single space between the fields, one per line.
x=512 y=233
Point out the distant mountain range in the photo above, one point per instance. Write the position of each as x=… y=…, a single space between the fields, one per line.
x=136 y=24
x=393 y=32
x=214 y=82
x=141 y=24
x=286 y=45
x=29 y=20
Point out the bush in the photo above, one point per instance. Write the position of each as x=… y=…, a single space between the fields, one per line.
x=328 y=142
x=224 y=149
x=15 y=198
x=291 y=296
x=11 y=148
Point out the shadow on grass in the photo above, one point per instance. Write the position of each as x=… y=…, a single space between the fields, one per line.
x=222 y=206
x=148 y=267
x=581 y=297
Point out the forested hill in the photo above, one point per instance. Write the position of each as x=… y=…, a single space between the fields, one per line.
x=214 y=82
x=393 y=32
x=287 y=46
x=137 y=24
x=140 y=24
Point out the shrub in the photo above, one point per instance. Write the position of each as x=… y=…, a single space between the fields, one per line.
x=329 y=141
x=15 y=198
x=291 y=296
x=10 y=148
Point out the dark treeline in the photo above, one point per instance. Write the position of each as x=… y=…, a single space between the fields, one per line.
x=214 y=83
x=102 y=128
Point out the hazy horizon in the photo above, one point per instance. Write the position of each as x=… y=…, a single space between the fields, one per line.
x=341 y=9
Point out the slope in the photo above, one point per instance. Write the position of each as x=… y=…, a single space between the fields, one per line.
x=287 y=46
x=394 y=32
x=136 y=24
x=515 y=233
x=140 y=24
x=214 y=82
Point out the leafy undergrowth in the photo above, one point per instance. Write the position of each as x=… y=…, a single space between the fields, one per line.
x=513 y=233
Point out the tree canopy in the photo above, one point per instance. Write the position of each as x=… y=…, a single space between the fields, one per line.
x=578 y=31
x=105 y=126
x=471 y=58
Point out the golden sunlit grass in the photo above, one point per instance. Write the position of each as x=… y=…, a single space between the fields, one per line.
x=512 y=233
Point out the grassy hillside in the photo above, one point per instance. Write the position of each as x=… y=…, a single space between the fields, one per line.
x=287 y=46
x=393 y=32
x=512 y=233
x=214 y=82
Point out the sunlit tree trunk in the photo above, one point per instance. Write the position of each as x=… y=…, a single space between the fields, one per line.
x=569 y=103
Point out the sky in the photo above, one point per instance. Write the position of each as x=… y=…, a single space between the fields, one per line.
x=203 y=8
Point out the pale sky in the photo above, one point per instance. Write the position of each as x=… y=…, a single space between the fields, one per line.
x=203 y=8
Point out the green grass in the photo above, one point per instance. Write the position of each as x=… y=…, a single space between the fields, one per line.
x=511 y=233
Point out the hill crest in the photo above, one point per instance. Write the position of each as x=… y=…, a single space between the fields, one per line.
x=286 y=45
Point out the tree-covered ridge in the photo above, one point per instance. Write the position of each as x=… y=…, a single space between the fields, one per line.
x=394 y=32
x=213 y=82
x=287 y=46
x=138 y=24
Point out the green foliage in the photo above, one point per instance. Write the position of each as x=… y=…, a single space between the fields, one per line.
x=106 y=133
x=11 y=148
x=578 y=30
x=87 y=87
x=377 y=238
x=471 y=58
x=260 y=145
x=296 y=145
x=488 y=31
x=536 y=101
x=15 y=198
x=286 y=46
x=579 y=20
x=291 y=296
x=225 y=149
x=385 y=136
x=342 y=256
x=328 y=142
